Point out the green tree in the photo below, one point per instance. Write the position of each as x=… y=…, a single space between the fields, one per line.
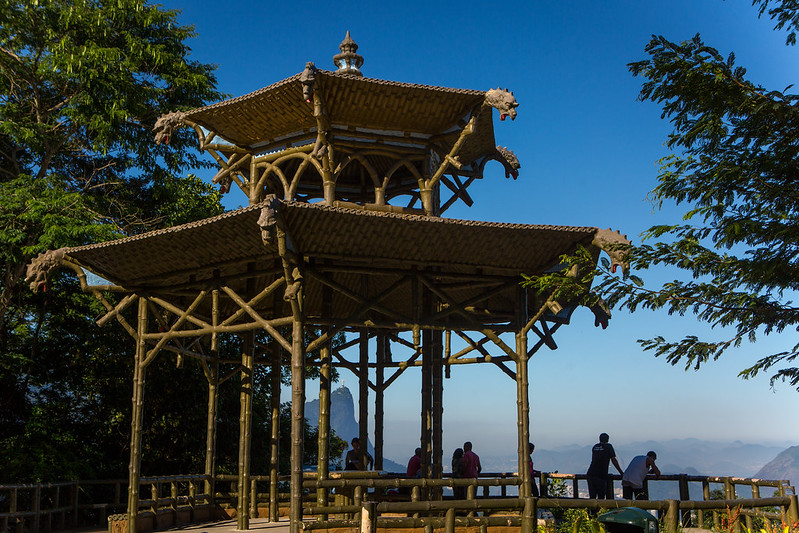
x=734 y=166
x=82 y=82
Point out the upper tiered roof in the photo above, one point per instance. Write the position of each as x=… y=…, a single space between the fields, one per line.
x=353 y=141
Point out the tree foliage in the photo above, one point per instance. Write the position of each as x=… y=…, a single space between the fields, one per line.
x=81 y=85
x=734 y=167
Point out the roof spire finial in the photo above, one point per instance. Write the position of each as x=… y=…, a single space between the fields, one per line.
x=348 y=61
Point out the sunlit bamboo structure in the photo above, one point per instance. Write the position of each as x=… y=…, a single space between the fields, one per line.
x=347 y=179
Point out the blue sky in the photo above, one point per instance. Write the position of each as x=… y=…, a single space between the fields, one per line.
x=589 y=154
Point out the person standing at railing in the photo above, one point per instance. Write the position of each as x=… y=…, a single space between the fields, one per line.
x=632 y=483
x=415 y=464
x=471 y=461
x=602 y=454
x=533 y=472
x=459 y=493
x=357 y=460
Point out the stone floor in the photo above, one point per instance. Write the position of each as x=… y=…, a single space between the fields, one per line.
x=229 y=526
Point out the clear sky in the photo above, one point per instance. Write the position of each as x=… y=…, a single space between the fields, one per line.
x=588 y=151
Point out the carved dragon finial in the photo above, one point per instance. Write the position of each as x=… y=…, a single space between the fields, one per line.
x=308 y=79
x=268 y=219
x=38 y=271
x=615 y=245
x=293 y=288
x=166 y=125
x=504 y=101
x=509 y=161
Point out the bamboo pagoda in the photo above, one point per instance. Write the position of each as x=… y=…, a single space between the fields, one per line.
x=347 y=180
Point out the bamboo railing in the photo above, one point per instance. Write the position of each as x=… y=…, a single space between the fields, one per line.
x=361 y=499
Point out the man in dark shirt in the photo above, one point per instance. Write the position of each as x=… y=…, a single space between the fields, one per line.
x=601 y=455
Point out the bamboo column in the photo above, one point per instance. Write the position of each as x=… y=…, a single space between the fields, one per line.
x=523 y=412
x=274 y=436
x=437 y=382
x=213 y=403
x=382 y=342
x=427 y=386
x=210 y=431
x=245 y=432
x=297 y=413
x=325 y=371
x=363 y=394
x=136 y=418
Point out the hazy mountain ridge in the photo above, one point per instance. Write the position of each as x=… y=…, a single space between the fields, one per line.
x=675 y=456
x=784 y=466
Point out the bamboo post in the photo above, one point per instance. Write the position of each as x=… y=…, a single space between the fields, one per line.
x=253 y=497
x=36 y=507
x=523 y=413
x=672 y=516
x=363 y=390
x=529 y=515
x=134 y=469
x=449 y=521
x=437 y=384
x=382 y=341
x=213 y=404
x=705 y=496
x=245 y=432
x=75 y=496
x=154 y=505
x=685 y=496
x=173 y=505
x=274 y=437
x=325 y=371
x=793 y=509
x=368 y=518
x=297 y=400
x=427 y=404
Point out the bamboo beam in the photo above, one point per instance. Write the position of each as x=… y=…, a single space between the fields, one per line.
x=266 y=324
x=449 y=160
x=179 y=322
x=116 y=310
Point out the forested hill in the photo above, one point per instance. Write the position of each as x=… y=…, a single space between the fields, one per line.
x=784 y=466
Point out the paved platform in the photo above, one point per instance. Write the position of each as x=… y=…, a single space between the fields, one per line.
x=229 y=526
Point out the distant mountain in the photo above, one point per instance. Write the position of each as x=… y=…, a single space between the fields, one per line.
x=784 y=466
x=342 y=421
x=675 y=456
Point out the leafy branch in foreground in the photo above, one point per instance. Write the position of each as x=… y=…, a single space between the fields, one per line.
x=735 y=168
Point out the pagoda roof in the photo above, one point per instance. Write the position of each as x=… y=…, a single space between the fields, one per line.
x=261 y=118
x=170 y=261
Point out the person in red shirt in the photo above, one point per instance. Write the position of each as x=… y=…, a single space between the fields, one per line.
x=471 y=461
x=415 y=464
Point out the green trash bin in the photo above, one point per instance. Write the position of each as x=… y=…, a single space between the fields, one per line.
x=628 y=520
